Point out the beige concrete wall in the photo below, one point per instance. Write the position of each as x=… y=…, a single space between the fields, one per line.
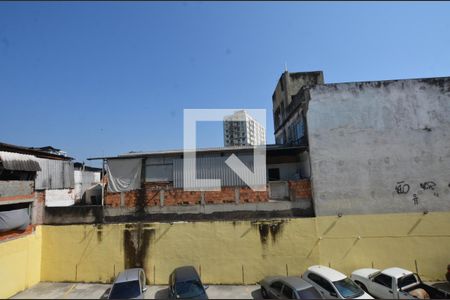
x=243 y=251
x=20 y=263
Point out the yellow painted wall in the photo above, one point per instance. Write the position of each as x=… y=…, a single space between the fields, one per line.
x=234 y=252
x=20 y=263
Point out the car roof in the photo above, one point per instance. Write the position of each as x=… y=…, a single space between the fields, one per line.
x=326 y=272
x=185 y=273
x=128 y=275
x=396 y=272
x=296 y=282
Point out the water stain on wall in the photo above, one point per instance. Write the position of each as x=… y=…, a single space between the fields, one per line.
x=136 y=243
x=269 y=228
x=99 y=232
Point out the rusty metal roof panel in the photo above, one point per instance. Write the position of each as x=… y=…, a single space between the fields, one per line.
x=19 y=162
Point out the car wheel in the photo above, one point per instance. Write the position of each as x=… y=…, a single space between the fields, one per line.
x=362 y=286
x=264 y=293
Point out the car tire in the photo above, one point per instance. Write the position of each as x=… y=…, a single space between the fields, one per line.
x=362 y=286
x=264 y=293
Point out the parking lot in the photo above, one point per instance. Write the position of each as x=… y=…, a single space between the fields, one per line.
x=66 y=290
x=62 y=290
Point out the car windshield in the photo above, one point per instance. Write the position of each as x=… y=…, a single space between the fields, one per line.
x=347 y=288
x=125 y=290
x=407 y=280
x=309 y=293
x=189 y=289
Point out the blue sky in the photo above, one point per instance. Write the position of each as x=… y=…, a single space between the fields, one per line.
x=107 y=78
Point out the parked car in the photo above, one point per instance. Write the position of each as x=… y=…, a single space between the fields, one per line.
x=395 y=283
x=129 y=284
x=287 y=287
x=332 y=284
x=184 y=283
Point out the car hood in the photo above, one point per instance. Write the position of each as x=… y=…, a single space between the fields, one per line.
x=365 y=273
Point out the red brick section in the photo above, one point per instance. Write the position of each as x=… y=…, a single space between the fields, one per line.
x=175 y=196
x=19 y=197
x=301 y=188
x=40 y=197
x=247 y=195
x=181 y=197
x=15 y=233
x=226 y=195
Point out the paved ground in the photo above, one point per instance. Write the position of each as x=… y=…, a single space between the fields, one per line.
x=58 y=290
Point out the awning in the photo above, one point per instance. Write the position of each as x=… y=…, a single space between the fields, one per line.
x=19 y=162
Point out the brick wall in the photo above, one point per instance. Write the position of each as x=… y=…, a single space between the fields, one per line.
x=226 y=195
x=150 y=195
x=300 y=189
x=12 y=234
x=247 y=195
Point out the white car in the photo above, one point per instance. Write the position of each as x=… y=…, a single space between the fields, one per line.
x=395 y=283
x=332 y=284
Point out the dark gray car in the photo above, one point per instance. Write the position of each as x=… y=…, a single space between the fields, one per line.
x=185 y=283
x=288 y=287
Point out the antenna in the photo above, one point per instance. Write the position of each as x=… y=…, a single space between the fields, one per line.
x=285 y=67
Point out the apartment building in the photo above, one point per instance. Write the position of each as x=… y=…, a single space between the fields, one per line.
x=241 y=129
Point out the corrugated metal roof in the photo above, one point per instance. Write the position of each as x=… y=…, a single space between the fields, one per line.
x=31 y=151
x=272 y=147
x=19 y=162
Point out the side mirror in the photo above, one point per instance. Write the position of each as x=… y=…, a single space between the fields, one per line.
x=206 y=287
x=333 y=294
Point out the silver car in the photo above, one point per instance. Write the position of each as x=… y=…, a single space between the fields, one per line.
x=288 y=287
x=130 y=284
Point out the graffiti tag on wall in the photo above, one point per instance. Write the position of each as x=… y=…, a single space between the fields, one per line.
x=403 y=188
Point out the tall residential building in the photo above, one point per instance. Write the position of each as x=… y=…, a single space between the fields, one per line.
x=237 y=132
x=290 y=102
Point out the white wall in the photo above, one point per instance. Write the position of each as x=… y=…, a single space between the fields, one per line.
x=84 y=180
x=380 y=147
x=64 y=197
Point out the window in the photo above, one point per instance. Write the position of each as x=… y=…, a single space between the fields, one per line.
x=321 y=282
x=407 y=280
x=274 y=174
x=384 y=280
x=276 y=286
x=128 y=289
x=326 y=285
x=288 y=292
x=347 y=288
x=309 y=293
x=314 y=278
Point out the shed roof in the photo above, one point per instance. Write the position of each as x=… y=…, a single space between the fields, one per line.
x=19 y=162
x=32 y=151
x=272 y=149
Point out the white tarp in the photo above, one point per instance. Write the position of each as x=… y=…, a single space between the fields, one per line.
x=124 y=174
x=15 y=219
